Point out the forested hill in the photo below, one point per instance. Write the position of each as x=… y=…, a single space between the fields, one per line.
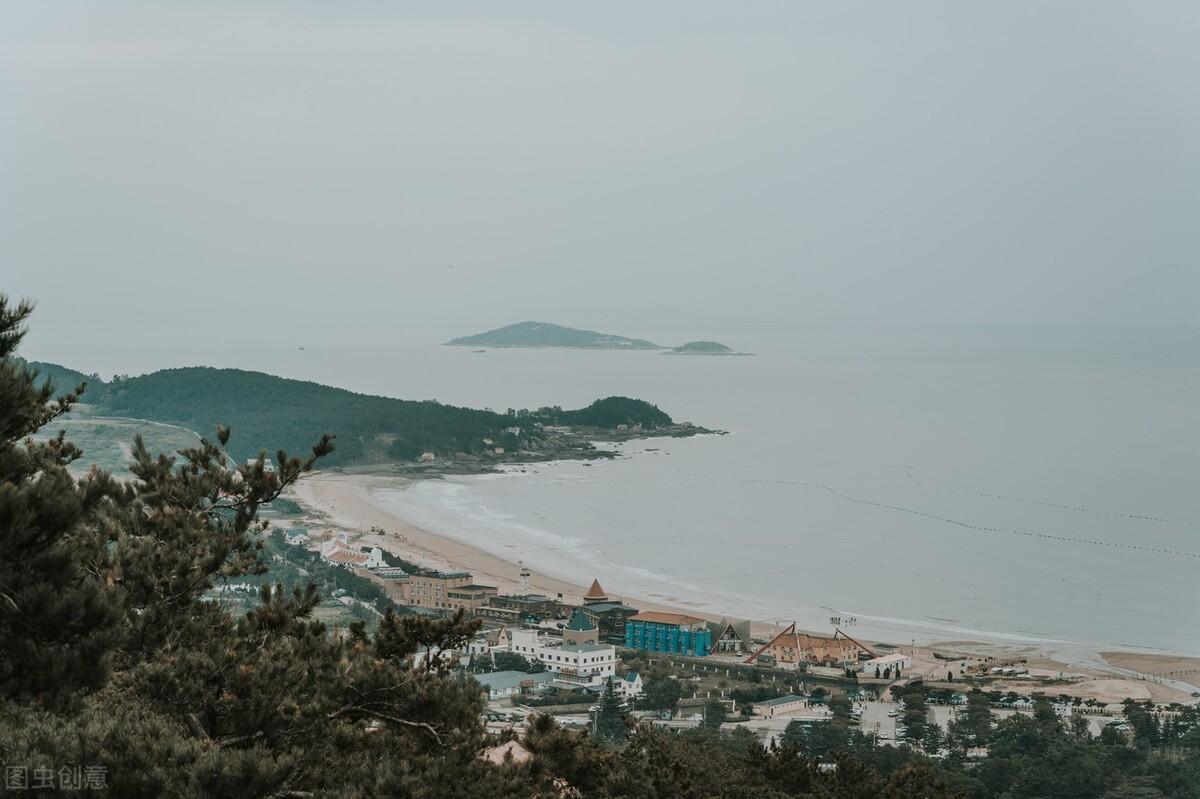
x=271 y=412
x=545 y=334
x=64 y=379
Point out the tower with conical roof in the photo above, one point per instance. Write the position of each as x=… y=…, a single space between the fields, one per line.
x=595 y=594
x=580 y=630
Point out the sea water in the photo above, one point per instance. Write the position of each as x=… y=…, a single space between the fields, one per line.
x=1032 y=485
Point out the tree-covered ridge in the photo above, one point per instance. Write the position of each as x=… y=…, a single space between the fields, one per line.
x=703 y=347
x=265 y=409
x=611 y=412
x=545 y=334
x=63 y=378
x=269 y=411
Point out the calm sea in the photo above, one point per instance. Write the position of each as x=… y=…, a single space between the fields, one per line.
x=1026 y=483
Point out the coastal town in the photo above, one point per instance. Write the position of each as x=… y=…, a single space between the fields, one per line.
x=339 y=458
x=565 y=655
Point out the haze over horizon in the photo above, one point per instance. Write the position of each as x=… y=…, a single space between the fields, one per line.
x=426 y=171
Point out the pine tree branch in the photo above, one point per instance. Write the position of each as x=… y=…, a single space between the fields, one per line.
x=240 y=739
x=420 y=725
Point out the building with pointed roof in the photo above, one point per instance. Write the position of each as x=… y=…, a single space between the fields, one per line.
x=629 y=686
x=609 y=618
x=607 y=613
x=580 y=630
x=595 y=594
x=731 y=637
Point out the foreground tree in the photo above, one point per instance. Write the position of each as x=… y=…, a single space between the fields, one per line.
x=610 y=723
x=661 y=693
x=57 y=620
x=111 y=658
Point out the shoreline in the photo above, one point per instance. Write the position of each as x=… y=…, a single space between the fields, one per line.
x=342 y=501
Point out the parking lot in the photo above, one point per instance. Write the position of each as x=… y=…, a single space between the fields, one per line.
x=876 y=721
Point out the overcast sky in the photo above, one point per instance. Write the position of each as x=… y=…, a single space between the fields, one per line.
x=404 y=165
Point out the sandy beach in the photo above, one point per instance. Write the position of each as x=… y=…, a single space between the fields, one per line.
x=1176 y=666
x=342 y=501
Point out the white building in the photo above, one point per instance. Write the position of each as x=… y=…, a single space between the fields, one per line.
x=896 y=660
x=429 y=658
x=781 y=706
x=573 y=665
x=629 y=686
x=477 y=647
x=522 y=642
x=581 y=665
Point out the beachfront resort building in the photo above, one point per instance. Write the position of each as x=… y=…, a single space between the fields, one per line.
x=730 y=637
x=890 y=665
x=575 y=665
x=469 y=597
x=610 y=618
x=430 y=590
x=794 y=649
x=530 y=605
x=674 y=633
x=337 y=553
x=609 y=614
x=395 y=582
x=502 y=616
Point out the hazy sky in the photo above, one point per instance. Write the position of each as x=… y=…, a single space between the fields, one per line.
x=605 y=166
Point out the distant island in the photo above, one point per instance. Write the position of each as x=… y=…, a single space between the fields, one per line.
x=265 y=411
x=703 y=348
x=544 y=334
